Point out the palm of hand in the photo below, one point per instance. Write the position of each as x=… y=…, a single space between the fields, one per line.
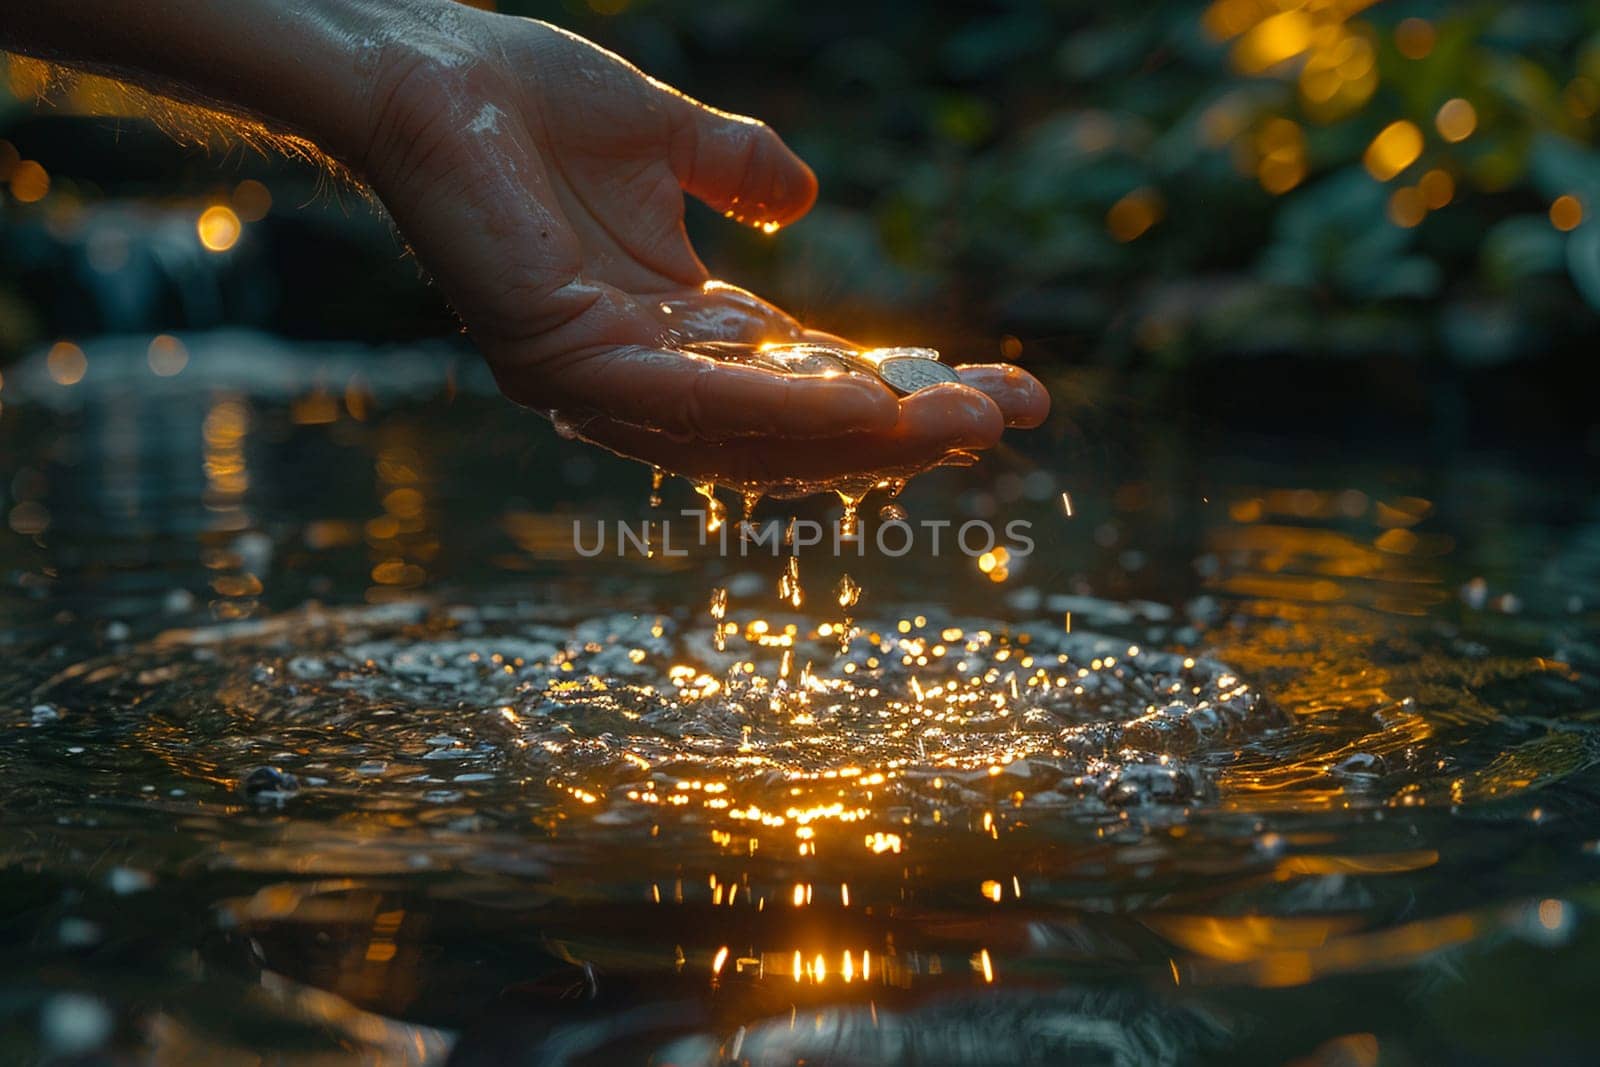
x=545 y=193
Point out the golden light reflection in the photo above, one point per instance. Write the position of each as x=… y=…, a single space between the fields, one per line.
x=1438 y=188
x=1415 y=38
x=995 y=564
x=1276 y=952
x=1336 y=58
x=251 y=200
x=1372 y=863
x=30 y=182
x=66 y=363
x=1281 y=146
x=1566 y=213
x=401 y=540
x=218 y=228
x=167 y=356
x=1275 y=39
x=1407 y=208
x=315 y=408
x=1236 y=939
x=1457 y=120
x=1394 y=149
x=223 y=436
x=1132 y=217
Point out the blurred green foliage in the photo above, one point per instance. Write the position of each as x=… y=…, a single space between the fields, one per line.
x=973 y=158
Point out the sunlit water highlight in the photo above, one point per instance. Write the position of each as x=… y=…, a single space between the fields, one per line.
x=1311 y=757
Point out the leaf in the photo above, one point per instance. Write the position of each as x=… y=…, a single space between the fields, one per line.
x=1583 y=261
x=1521 y=247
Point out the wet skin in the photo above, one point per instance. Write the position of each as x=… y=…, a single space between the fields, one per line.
x=578 y=192
x=540 y=180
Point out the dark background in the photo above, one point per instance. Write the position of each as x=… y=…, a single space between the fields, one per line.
x=1133 y=187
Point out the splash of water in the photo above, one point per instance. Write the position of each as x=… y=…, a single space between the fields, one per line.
x=719 y=610
x=789 y=590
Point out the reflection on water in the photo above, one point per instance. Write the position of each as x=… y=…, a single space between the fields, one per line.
x=321 y=738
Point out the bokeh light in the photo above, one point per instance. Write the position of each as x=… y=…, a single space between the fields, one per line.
x=1415 y=38
x=1131 y=217
x=1274 y=40
x=251 y=200
x=1282 y=147
x=167 y=355
x=1393 y=150
x=1438 y=188
x=1566 y=214
x=30 y=182
x=219 y=228
x=1407 y=208
x=66 y=363
x=1456 y=120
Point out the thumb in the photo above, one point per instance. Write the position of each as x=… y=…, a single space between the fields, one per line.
x=737 y=165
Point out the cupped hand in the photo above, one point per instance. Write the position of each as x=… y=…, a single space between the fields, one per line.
x=540 y=179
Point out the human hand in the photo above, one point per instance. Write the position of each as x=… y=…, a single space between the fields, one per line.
x=540 y=180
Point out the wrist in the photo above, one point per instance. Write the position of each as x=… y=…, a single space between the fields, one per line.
x=395 y=55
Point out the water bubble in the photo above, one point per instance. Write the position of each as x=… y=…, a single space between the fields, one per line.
x=892 y=513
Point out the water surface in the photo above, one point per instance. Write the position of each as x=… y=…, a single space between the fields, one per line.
x=323 y=741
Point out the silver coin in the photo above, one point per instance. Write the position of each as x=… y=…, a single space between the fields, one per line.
x=878 y=355
x=907 y=374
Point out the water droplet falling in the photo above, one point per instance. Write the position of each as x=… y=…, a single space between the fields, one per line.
x=715 y=514
x=749 y=498
x=719 y=611
x=789 y=585
x=851 y=502
x=849 y=594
